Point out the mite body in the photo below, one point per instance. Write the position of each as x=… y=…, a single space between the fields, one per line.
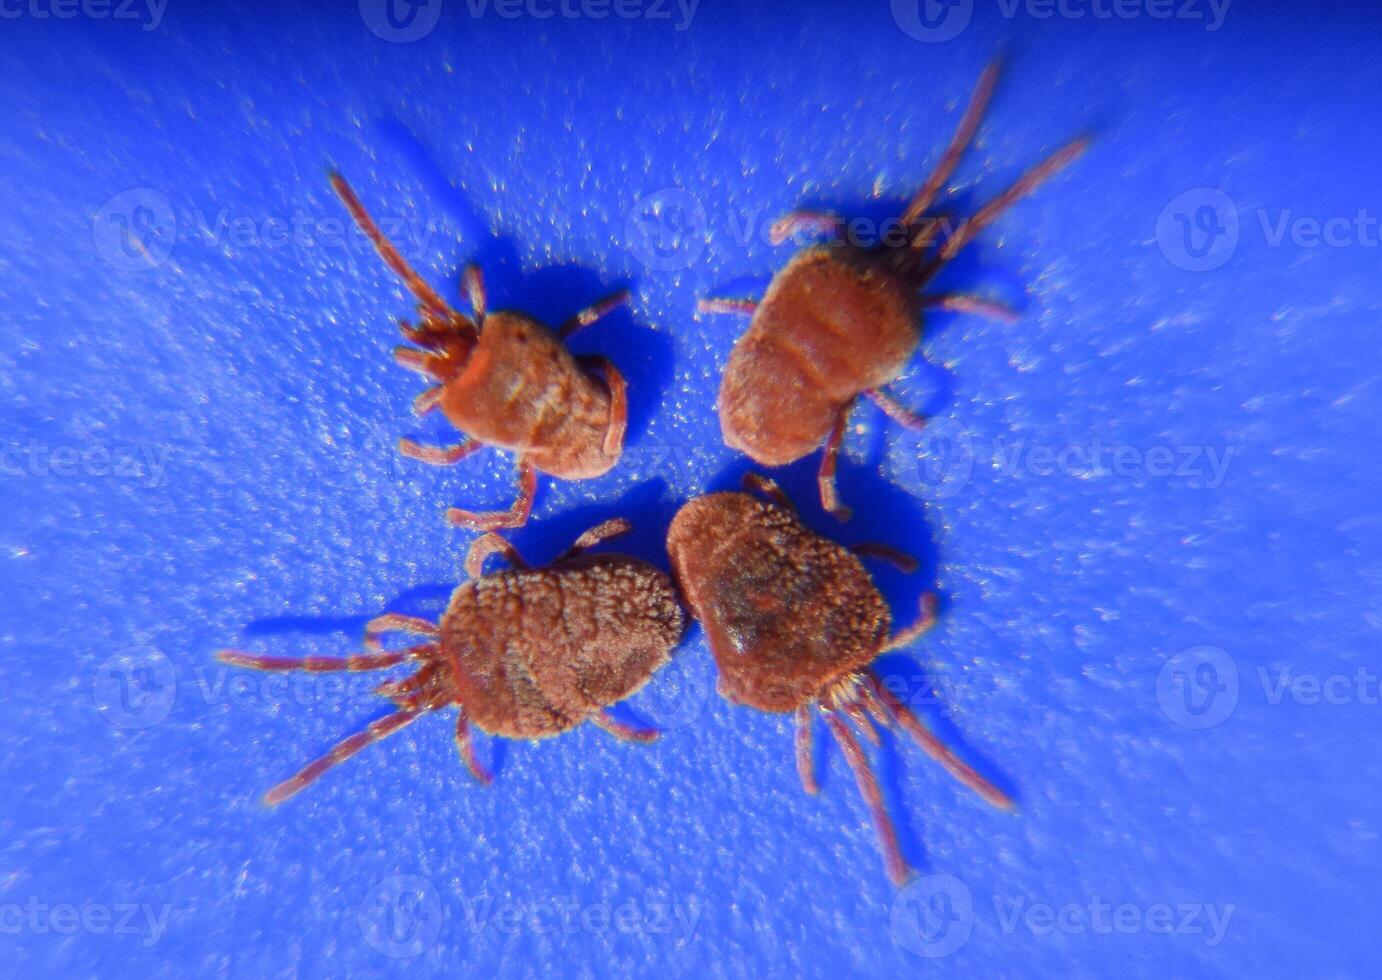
x=842 y=320
x=506 y=381
x=794 y=621
x=522 y=653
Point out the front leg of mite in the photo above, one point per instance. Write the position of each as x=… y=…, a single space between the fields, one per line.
x=466 y=747
x=618 y=401
x=825 y=477
x=611 y=528
x=487 y=545
x=618 y=729
x=517 y=514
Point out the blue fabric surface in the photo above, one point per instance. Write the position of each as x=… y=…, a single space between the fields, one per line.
x=1149 y=505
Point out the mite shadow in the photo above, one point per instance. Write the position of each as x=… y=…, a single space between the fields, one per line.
x=551 y=295
x=887 y=514
x=647 y=507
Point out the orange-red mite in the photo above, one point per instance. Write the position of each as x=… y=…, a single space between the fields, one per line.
x=794 y=621
x=843 y=320
x=506 y=381
x=521 y=653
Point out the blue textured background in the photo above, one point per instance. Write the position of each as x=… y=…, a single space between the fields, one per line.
x=246 y=378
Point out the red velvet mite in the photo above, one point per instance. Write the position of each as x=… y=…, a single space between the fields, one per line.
x=841 y=320
x=522 y=653
x=506 y=381
x=794 y=621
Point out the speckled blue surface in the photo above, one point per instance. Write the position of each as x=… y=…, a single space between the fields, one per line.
x=1157 y=653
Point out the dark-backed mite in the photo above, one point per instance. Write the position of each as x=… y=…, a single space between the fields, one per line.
x=841 y=320
x=794 y=621
x=522 y=653
x=507 y=381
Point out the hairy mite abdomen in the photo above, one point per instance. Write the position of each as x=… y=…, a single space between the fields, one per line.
x=538 y=651
x=833 y=324
x=786 y=611
x=521 y=390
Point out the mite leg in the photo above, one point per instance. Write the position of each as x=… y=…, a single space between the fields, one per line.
x=1025 y=184
x=396 y=623
x=416 y=360
x=825 y=477
x=439 y=455
x=744 y=306
x=407 y=689
x=428 y=400
x=843 y=698
x=908 y=636
x=515 y=516
x=762 y=485
x=473 y=285
x=876 y=549
x=937 y=749
x=898 y=869
x=964 y=135
x=864 y=689
x=467 y=750
x=620 y=730
x=611 y=528
x=894 y=410
x=314 y=664
x=343 y=750
x=818 y=222
x=806 y=750
x=965 y=303
x=594 y=312
x=386 y=250
x=486 y=545
x=434 y=333
x=618 y=402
